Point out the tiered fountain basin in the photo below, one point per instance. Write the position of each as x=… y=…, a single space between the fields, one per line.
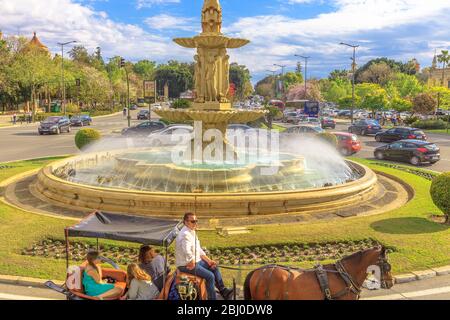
x=145 y=182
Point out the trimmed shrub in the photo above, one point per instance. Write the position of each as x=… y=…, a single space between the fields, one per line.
x=328 y=138
x=410 y=120
x=85 y=137
x=440 y=193
x=430 y=124
x=181 y=104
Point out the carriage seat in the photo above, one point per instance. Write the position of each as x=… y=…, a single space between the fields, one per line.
x=74 y=281
x=176 y=276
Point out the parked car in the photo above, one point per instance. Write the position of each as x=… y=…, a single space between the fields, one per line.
x=81 y=121
x=313 y=121
x=54 y=125
x=143 y=129
x=365 y=127
x=243 y=127
x=134 y=107
x=305 y=129
x=143 y=115
x=396 y=134
x=290 y=117
x=344 y=113
x=170 y=136
x=348 y=143
x=412 y=151
x=328 y=123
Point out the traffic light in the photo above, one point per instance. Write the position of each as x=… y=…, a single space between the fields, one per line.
x=122 y=63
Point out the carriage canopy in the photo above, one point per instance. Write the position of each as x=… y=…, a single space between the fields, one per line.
x=142 y=230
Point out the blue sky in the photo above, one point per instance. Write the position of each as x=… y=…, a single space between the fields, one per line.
x=278 y=29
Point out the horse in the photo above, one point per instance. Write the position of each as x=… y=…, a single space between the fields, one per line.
x=340 y=281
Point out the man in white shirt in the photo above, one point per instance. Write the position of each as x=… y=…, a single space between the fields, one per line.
x=190 y=258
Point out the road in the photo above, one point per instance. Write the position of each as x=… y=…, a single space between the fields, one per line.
x=442 y=140
x=437 y=288
x=24 y=142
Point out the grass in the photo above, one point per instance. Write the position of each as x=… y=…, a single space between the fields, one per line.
x=419 y=242
x=439 y=131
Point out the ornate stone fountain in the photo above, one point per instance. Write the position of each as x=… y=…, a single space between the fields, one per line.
x=146 y=181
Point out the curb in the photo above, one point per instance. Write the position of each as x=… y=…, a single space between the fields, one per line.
x=26 y=282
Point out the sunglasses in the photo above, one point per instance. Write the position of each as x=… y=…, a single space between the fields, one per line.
x=193 y=221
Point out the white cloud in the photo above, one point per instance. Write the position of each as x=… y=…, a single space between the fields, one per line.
x=168 y=22
x=400 y=28
x=63 y=20
x=149 y=3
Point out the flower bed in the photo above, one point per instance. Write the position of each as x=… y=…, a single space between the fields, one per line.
x=252 y=255
x=429 y=175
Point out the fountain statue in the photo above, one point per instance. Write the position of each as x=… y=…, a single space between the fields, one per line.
x=212 y=76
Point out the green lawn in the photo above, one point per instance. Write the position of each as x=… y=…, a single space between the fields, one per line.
x=419 y=242
x=440 y=131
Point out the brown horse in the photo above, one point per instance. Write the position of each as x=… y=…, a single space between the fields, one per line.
x=340 y=281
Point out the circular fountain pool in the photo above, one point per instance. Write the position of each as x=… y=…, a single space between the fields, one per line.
x=146 y=181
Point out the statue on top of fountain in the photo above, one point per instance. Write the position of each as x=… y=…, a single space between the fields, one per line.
x=212 y=62
x=211 y=17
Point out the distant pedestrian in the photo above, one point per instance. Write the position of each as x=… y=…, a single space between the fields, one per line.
x=383 y=119
x=124 y=112
x=14 y=118
x=394 y=121
x=29 y=117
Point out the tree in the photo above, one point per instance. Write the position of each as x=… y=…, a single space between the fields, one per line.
x=335 y=90
x=407 y=86
x=177 y=75
x=80 y=54
x=272 y=113
x=240 y=76
x=424 y=103
x=338 y=75
x=379 y=73
x=401 y=105
x=291 y=78
x=346 y=102
x=297 y=92
x=375 y=101
x=444 y=58
x=145 y=69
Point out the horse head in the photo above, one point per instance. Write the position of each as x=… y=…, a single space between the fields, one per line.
x=387 y=281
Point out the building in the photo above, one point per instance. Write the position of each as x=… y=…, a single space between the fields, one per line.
x=436 y=74
x=35 y=43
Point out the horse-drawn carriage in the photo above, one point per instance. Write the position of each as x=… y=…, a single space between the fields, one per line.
x=133 y=229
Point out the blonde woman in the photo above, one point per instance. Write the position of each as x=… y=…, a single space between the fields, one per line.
x=140 y=285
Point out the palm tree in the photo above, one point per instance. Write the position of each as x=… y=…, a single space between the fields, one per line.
x=444 y=58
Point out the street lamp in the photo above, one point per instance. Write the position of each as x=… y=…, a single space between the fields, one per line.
x=63 y=86
x=353 y=75
x=122 y=65
x=282 y=74
x=274 y=80
x=306 y=71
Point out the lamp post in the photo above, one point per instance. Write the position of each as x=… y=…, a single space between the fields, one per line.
x=353 y=75
x=282 y=73
x=63 y=85
x=274 y=80
x=306 y=71
x=123 y=66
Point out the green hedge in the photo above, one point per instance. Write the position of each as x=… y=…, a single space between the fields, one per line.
x=430 y=124
x=440 y=193
x=85 y=137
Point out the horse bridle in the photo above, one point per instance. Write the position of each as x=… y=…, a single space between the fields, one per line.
x=385 y=267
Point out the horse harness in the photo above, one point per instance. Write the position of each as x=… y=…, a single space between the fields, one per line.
x=322 y=277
